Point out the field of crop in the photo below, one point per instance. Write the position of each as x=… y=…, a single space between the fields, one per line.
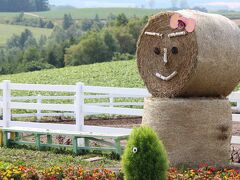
x=114 y=74
x=6 y=31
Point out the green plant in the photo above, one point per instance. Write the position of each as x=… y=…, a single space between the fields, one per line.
x=145 y=156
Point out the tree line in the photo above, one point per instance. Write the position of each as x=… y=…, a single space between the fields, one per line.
x=23 y=5
x=73 y=43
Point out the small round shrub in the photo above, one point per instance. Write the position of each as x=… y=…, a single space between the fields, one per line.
x=145 y=157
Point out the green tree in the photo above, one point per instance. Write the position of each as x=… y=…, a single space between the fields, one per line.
x=42 y=41
x=50 y=25
x=31 y=54
x=125 y=40
x=55 y=54
x=111 y=42
x=41 y=23
x=91 y=49
x=135 y=27
x=122 y=20
x=86 y=24
x=25 y=39
x=67 y=21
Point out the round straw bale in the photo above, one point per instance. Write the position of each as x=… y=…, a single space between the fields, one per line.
x=202 y=63
x=193 y=130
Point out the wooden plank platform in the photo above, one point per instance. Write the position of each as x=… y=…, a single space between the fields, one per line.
x=13 y=135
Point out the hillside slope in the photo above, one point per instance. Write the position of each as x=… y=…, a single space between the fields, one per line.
x=6 y=31
x=80 y=13
x=114 y=74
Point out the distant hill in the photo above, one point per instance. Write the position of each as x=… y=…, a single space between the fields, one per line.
x=103 y=13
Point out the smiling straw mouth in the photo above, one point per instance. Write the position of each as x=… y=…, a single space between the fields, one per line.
x=166 y=78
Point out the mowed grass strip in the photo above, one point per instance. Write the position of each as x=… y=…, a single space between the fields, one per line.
x=6 y=31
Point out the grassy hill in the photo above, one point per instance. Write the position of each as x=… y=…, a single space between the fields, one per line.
x=6 y=31
x=80 y=13
x=114 y=74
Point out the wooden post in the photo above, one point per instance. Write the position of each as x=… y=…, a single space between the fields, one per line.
x=39 y=111
x=38 y=141
x=75 y=145
x=79 y=103
x=49 y=139
x=5 y=139
x=118 y=146
x=6 y=103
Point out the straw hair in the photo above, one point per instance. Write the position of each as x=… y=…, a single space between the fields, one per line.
x=194 y=131
x=208 y=59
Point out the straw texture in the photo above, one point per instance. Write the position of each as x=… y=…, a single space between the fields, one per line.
x=194 y=131
x=208 y=59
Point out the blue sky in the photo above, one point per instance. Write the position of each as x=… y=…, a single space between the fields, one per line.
x=231 y=4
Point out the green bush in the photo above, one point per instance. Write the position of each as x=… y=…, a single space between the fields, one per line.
x=145 y=157
x=122 y=56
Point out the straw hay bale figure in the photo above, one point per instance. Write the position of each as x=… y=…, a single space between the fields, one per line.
x=189 y=62
x=189 y=53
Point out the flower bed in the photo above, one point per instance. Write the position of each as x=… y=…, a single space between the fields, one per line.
x=204 y=172
x=9 y=171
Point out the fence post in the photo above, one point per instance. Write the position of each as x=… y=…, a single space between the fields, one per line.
x=6 y=103
x=111 y=100
x=39 y=111
x=79 y=103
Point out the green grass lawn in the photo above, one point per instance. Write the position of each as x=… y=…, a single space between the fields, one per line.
x=6 y=31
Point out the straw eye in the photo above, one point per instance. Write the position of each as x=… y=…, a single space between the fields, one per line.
x=157 y=50
x=174 y=50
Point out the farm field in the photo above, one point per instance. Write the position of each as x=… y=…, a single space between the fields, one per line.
x=7 y=31
x=113 y=74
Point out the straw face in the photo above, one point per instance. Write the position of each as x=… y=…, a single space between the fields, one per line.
x=165 y=62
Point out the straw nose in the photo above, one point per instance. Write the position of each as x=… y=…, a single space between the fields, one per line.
x=165 y=57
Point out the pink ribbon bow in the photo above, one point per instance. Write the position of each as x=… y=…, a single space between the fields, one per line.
x=180 y=22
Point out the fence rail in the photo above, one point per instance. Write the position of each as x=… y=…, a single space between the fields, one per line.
x=76 y=105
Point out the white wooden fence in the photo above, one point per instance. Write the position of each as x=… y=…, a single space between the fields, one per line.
x=78 y=108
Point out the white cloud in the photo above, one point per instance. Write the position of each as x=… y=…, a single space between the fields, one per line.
x=231 y=5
